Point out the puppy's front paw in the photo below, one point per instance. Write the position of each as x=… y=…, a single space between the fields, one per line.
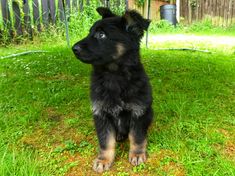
x=136 y=159
x=101 y=165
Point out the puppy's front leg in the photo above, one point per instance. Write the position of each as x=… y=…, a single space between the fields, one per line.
x=137 y=153
x=106 y=137
x=138 y=137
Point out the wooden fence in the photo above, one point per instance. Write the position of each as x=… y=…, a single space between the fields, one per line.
x=23 y=17
x=220 y=12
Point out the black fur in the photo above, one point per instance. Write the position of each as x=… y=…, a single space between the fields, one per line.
x=120 y=90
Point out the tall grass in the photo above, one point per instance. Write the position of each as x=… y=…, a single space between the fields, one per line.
x=20 y=163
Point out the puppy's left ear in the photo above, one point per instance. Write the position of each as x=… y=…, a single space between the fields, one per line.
x=105 y=12
x=135 y=23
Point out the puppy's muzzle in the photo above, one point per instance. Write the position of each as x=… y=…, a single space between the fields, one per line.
x=76 y=49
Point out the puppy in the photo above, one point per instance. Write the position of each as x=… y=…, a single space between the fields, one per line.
x=120 y=91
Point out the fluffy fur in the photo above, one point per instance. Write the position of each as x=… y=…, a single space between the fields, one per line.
x=120 y=90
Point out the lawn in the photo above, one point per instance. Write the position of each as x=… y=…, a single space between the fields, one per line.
x=46 y=122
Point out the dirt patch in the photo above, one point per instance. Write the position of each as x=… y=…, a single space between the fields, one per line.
x=155 y=165
x=225 y=133
x=52 y=115
x=229 y=150
x=34 y=140
x=173 y=168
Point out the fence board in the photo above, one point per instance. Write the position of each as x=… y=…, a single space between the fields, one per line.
x=68 y=7
x=75 y=5
x=229 y=13
x=210 y=9
x=221 y=12
x=189 y=13
x=27 y=19
x=6 y=17
x=233 y=12
x=61 y=10
x=45 y=13
x=226 y=3
x=36 y=15
x=81 y=5
x=52 y=10
x=17 y=16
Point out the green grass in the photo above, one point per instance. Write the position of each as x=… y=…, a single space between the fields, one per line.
x=46 y=123
x=204 y=27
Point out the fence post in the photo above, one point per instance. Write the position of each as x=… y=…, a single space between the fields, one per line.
x=6 y=17
x=17 y=15
x=36 y=16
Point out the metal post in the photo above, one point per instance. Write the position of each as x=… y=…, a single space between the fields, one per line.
x=127 y=5
x=178 y=10
x=107 y=3
x=148 y=16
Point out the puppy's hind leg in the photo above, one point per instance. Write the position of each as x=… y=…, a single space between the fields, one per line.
x=106 y=136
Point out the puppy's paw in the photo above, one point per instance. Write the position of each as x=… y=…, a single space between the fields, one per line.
x=136 y=159
x=101 y=165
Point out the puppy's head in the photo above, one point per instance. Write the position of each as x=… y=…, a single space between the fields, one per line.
x=111 y=37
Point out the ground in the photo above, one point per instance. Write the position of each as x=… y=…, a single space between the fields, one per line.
x=47 y=127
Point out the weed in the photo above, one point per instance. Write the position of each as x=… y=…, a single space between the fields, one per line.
x=139 y=168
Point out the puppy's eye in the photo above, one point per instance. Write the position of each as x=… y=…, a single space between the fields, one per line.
x=100 y=35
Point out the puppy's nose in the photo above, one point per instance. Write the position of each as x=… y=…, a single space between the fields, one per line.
x=77 y=49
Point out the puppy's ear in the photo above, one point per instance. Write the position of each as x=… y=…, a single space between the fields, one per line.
x=135 y=23
x=105 y=12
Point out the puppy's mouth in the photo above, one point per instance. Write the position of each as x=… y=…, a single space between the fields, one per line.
x=89 y=59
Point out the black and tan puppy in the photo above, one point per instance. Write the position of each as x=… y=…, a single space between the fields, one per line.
x=120 y=90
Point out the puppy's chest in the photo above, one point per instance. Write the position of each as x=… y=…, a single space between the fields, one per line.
x=101 y=108
x=112 y=85
x=114 y=94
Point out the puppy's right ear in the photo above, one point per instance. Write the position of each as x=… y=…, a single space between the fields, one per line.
x=105 y=12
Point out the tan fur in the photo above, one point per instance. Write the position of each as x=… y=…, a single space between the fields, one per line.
x=109 y=153
x=137 y=153
x=136 y=147
x=106 y=157
x=120 y=51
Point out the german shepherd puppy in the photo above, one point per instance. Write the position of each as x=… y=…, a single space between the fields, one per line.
x=120 y=91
